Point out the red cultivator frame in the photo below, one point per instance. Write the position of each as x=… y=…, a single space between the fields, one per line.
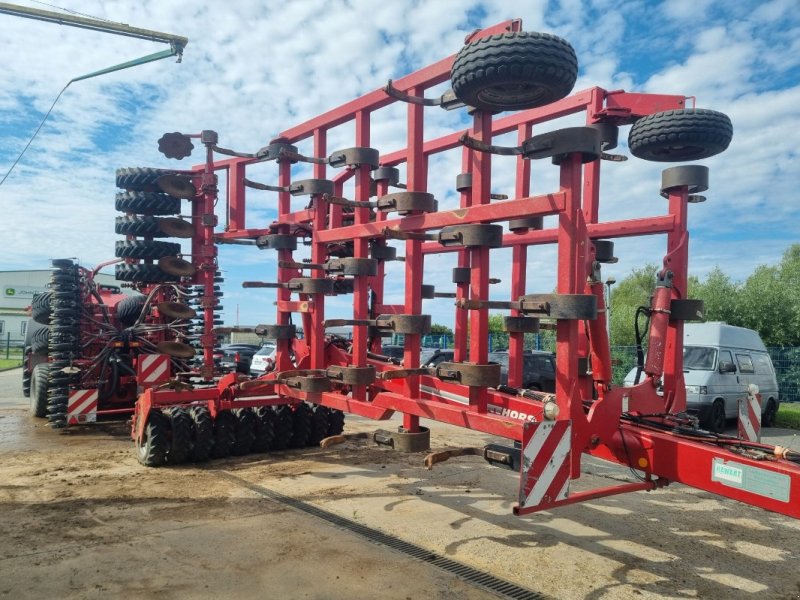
x=501 y=68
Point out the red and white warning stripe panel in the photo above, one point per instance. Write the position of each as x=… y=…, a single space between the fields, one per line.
x=153 y=369
x=545 y=464
x=82 y=407
x=750 y=416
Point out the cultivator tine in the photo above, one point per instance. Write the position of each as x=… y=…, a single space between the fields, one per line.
x=403 y=373
x=471 y=304
x=287 y=264
x=394 y=234
x=479 y=146
x=447 y=101
x=342 y=438
x=263 y=284
x=350 y=203
x=263 y=186
x=443 y=455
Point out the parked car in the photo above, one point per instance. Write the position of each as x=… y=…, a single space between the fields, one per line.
x=538 y=369
x=720 y=361
x=437 y=355
x=237 y=357
x=392 y=351
x=264 y=360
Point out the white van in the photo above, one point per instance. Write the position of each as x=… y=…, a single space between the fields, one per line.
x=719 y=362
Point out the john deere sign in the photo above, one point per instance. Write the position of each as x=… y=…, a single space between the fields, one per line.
x=22 y=291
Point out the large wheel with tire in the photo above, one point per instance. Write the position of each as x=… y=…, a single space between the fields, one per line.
x=142 y=273
x=335 y=422
x=769 y=414
x=180 y=438
x=224 y=434
x=129 y=309
x=39 y=382
x=716 y=417
x=514 y=71
x=152 y=449
x=301 y=426
x=40 y=340
x=145 y=249
x=680 y=135
x=40 y=308
x=245 y=431
x=283 y=427
x=202 y=434
x=264 y=429
x=140 y=179
x=147 y=203
x=319 y=424
x=141 y=226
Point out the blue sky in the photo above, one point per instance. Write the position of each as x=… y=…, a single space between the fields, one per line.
x=254 y=68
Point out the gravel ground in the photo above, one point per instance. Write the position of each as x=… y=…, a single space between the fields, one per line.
x=82 y=519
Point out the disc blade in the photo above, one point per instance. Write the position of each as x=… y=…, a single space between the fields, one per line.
x=175 y=227
x=173 y=265
x=176 y=349
x=175 y=185
x=176 y=310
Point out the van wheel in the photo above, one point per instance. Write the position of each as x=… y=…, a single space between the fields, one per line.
x=768 y=418
x=716 y=417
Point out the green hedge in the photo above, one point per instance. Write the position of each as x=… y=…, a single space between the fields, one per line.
x=788 y=416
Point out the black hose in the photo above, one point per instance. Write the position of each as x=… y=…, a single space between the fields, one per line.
x=639 y=340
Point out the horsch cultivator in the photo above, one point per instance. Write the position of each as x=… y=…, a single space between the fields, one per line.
x=318 y=376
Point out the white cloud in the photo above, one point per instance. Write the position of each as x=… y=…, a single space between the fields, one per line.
x=255 y=68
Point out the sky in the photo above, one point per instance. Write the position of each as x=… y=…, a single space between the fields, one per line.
x=254 y=68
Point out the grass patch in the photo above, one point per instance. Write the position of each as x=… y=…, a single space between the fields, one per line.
x=7 y=363
x=788 y=416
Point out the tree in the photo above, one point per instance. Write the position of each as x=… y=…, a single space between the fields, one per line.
x=720 y=296
x=437 y=329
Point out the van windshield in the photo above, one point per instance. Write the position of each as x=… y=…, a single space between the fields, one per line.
x=698 y=358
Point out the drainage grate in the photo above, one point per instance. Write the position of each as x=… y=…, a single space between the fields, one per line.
x=485 y=580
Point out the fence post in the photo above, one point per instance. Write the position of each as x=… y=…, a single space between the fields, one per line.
x=8 y=344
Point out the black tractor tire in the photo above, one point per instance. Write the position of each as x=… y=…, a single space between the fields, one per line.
x=180 y=442
x=264 y=429
x=40 y=308
x=335 y=422
x=140 y=179
x=39 y=382
x=224 y=434
x=680 y=135
x=319 y=424
x=26 y=377
x=152 y=450
x=129 y=309
x=715 y=421
x=202 y=434
x=145 y=249
x=40 y=341
x=245 y=431
x=141 y=226
x=142 y=273
x=514 y=71
x=147 y=203
x=283 y=427
x=301 y=426
x=769 y=414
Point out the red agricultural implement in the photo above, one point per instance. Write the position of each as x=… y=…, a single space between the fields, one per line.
x=93 y=348
x=319 y=376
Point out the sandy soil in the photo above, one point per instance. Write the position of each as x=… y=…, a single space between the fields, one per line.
x=80 y=518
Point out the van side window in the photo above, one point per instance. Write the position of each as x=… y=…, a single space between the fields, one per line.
x=725 y=357
x=745 y=363
x=762 y=364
